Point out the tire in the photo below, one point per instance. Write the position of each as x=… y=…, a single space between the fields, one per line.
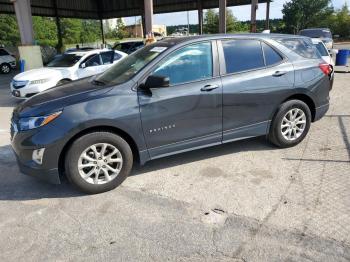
x=63 y=81
x=5 y=68
x=284 y=137
x=91 y=184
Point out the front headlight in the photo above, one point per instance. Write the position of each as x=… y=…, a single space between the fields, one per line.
x=35 y=122
x=39 y=81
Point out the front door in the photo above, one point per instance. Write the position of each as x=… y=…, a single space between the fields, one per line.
x=188 y=114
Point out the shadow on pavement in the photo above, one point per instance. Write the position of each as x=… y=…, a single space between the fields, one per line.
x=16 y=186
x=254 y=144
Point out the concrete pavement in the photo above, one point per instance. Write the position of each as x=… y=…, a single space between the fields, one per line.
x=243 y=201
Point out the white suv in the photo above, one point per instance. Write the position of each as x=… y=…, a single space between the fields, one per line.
x=7 y=61
x=64 y=68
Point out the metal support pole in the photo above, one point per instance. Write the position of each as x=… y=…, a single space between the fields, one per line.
x=102 y=32
x=253 y=16
x=222 y=16
x=200 y=17
x=267 y=25
x=24 y=19
x=59 y=29
x=148 y=15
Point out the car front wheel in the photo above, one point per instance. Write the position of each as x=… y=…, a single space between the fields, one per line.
x=98 y=162
x=290 y=124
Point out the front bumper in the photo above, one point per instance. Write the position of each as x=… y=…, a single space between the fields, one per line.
x=24 y=143
x=30 y=89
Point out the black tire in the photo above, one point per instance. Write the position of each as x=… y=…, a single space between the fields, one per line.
x=63 y=81
x=5 y=68
x=84 y=142
x=275 y=135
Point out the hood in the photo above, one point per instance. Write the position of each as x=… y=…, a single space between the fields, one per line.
x=59 y=97
x=41 y=73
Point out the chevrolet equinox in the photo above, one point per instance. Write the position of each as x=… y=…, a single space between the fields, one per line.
x=169 y=97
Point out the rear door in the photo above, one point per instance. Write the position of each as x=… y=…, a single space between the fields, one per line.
x=188 y=114
x=255 y=77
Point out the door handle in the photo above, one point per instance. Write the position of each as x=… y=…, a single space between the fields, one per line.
x=279 y=73
x=209 y=87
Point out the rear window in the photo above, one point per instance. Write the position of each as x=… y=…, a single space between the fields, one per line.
x=302 y=47
x=316 y=33
x=242 y=55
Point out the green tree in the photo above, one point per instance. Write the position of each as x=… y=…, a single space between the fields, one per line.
x=71 y=30
x=120 y=30
x=45 y=30
x=9 y=34
x=211 y=23
x=339 y=22
x=301 y=14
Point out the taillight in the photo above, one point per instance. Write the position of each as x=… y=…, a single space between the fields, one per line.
x=325 y=68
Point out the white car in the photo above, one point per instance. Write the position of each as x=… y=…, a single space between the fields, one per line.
x=327 y=55
x=7 y=61
x=64 y=68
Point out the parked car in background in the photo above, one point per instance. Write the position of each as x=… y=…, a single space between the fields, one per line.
x=322 y=33
x=327 y=55
x=169 y=97
x=64 y=68
x=7 y=61
x=129 y=46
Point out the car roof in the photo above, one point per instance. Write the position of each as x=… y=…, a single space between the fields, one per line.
x=177 y=40
x=316 y=28
x=316 y=40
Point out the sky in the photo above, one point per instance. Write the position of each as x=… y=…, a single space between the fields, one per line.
x=242 y=13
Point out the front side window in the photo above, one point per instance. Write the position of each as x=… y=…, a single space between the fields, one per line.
x=93 y=60
x=188 y=64
x=271 y=56
x=242 y=55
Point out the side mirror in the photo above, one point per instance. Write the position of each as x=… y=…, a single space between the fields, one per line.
x=154 y=81
x=82 y=65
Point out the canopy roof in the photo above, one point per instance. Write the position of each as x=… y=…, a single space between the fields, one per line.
x=105 y=9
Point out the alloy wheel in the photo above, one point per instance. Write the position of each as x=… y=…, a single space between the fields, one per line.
x=293 y=124
x=100 y=163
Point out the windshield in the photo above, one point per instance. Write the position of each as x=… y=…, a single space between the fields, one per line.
x=130 y=65
x=321 y=49
x=65 y=60
x=316 y=33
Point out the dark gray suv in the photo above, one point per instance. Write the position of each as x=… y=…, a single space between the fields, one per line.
x=170 y=97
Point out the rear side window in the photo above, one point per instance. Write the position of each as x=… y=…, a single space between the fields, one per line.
x=242 y=55
x=300 y=46
x=321 y=49
x=271 y=56
x=3 y=52
x=107 y=57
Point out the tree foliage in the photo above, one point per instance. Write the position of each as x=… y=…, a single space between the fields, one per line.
x=211 y=23
x=300 y=14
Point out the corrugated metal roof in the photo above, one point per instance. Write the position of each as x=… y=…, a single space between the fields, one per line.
x=95 y=9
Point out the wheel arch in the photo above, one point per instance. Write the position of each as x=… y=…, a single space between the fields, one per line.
x=102 y=128
x=307 y=100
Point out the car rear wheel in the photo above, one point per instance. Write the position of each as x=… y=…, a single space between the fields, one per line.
x=290 y=124
x=98 y=162
x=5 y=68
